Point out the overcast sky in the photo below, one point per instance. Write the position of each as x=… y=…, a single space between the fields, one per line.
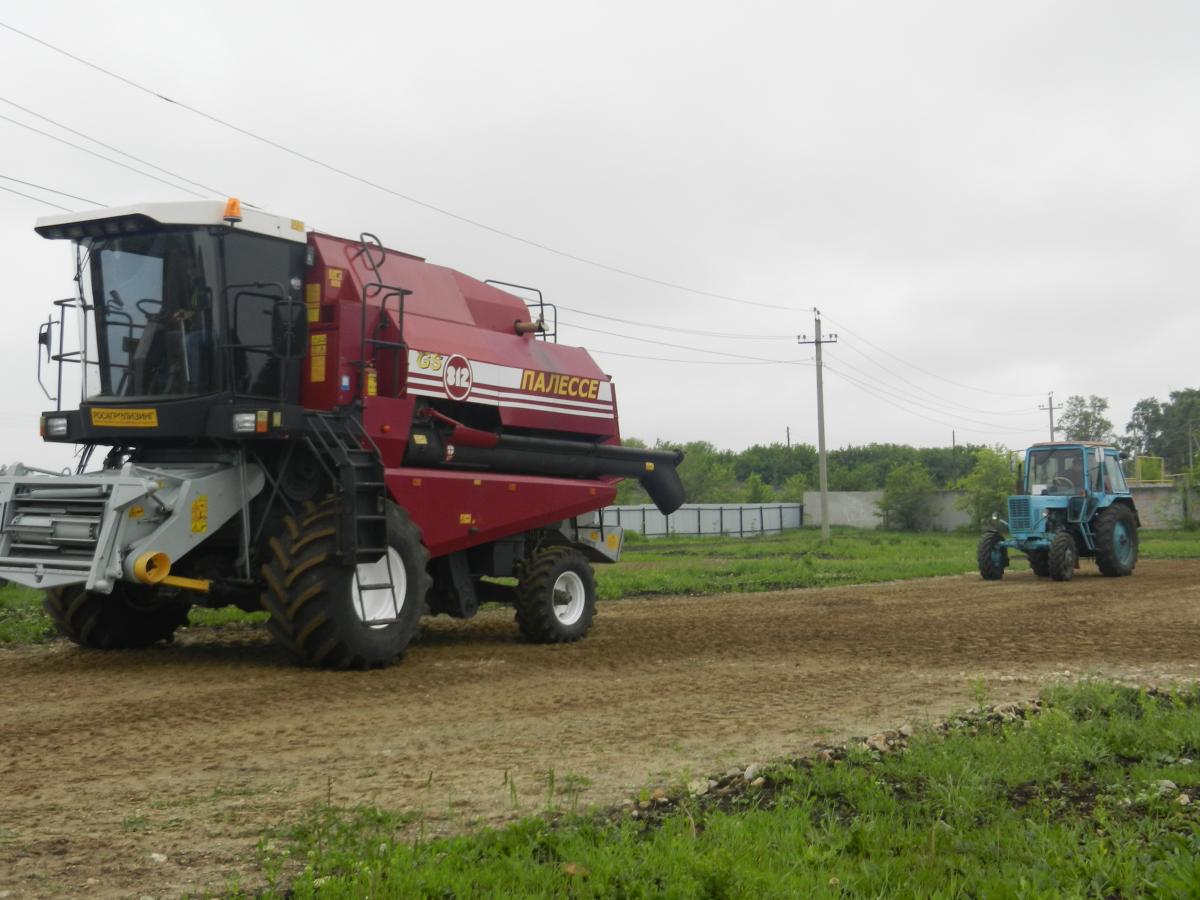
x=987 y=202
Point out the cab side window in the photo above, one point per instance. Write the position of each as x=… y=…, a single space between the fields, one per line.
x=260 y=273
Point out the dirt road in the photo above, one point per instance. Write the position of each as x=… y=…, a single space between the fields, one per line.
x=109 y=762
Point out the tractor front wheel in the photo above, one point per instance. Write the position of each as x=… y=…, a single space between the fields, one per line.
x=132 y=616
x=992 y=558
x=1039 y=561
x=1063 y=556
x=556 y=597
x=1116 y=541
x=340 y=616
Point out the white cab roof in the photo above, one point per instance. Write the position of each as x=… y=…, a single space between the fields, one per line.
x=191 y=212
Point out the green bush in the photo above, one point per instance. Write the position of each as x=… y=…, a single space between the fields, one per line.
x=907 y=502
x=987 y=487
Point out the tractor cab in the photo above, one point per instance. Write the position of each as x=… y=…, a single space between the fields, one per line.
x=1073 y=470
x=183 y=310
x=1073 y=502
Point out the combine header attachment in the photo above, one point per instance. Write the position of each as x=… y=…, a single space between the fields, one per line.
x=342 y=435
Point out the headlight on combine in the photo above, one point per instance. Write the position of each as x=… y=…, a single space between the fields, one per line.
x=244 y=422
x=56 y=427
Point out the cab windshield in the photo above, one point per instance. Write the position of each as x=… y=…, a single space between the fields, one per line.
x=152 y=301
x=1055 y=471
x=185 y=311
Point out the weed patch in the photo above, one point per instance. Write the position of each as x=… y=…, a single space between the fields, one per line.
x=1086 y=793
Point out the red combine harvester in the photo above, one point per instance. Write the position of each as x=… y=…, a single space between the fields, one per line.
x=341 y=435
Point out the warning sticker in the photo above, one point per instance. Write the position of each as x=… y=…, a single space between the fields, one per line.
x=200 y=514
x=317 y=346
x=335 y=278
x=312 y=301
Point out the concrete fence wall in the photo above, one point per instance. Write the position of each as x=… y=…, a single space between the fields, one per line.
x=1159 y=506
x=707 y=518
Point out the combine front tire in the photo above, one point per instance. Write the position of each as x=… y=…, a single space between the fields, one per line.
x=556 y=597
x=317 y=610
x=1063 y=556
x=132 y=616
x=1116 y=541
x=992 y=558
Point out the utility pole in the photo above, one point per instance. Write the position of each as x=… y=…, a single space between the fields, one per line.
x=821 y=467
x=1050 y=406
x=789 y=437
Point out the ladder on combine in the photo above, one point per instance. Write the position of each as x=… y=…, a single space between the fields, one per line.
x=351 y=458
x=375 y=343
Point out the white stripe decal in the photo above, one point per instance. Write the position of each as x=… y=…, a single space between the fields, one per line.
x=535 y=407
x=561 y=412
x=500 y=385
x=493 y=392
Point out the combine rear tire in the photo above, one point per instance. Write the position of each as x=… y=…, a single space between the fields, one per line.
x=132 y=616
x=556 y=597
x=1116 y=541
x=1039 y=561
x=1063 y=556
x=992 y=558
x=316 y=608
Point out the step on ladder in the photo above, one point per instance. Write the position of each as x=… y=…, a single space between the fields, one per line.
x=351 y=458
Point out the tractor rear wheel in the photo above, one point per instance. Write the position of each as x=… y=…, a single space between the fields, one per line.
x=1063 y=556
x=317 y=609
x=556 y=596
x=1039 y=561
x=992 y=558
x=132 y=616
x=1116 y=541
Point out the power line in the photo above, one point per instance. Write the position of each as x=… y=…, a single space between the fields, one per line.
x=88 y=137
x=908 y=403
x=717 y=334
x=704 y=362
x=395 y=193
x=923 y=371
x=107 y=159
x=630 y=337
x=897 y=397
x=42 y=187
x=35 y=199
x=940 y=399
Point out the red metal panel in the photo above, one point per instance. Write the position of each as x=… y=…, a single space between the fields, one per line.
x=462 y=346
x=532 y=383
x=456 y=510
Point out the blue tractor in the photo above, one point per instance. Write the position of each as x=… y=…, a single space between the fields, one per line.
x=1072 y=502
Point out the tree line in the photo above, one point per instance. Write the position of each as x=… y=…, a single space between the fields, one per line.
x=778 y=472
x=1169 y=429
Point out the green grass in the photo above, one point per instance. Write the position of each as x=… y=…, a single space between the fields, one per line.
x=200 y=616
x=22 y=620
x=708 y=565
x=704 y=565
x=1065 y=803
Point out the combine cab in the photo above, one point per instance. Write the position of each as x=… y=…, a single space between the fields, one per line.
x=1073 y=503
x=339 y=434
